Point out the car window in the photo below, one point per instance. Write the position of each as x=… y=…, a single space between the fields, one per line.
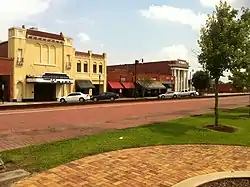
x=78 y=94
x=71 y=95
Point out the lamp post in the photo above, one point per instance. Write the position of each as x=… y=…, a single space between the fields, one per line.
x=136 y=63
x=2 y=93
x=191 y=78
x=99 y=76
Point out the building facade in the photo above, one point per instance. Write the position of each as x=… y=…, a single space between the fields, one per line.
x=172 y=74
x=46 y=66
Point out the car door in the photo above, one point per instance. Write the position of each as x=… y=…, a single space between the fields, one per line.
x=76 y=97
x=70 y=97
x=169 y=94
x=102 y=96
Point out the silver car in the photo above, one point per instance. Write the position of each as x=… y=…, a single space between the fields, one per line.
x=168 y=95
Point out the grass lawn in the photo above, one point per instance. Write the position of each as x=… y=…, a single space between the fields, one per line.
x=182 y=131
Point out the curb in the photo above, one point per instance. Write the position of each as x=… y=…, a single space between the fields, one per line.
x=47 y=105
x=203 y=179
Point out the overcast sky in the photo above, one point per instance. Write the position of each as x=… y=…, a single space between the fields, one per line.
x=126 y=30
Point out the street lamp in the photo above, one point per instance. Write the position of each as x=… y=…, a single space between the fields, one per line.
x=191 y=77
x=2 y=93
x=136 y=63
x=99 y=76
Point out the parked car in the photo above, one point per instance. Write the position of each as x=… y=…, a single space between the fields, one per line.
x=105 y=96
x=188 y=93
x=168 y=95
x=74 y=97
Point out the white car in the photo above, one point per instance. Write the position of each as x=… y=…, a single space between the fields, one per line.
x=188 y=93
x=168 y=95
x=74 y=97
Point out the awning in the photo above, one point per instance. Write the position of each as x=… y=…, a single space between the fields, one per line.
x=128 y=85
x=83 y=84
x=47 y=80
x=168 y=84
x=115 y=85
x=151 y=84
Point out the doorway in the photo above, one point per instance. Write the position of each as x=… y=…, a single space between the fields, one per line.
x=19 y=95
x=44 y=92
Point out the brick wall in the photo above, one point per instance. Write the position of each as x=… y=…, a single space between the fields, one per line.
x=126 y=76
x=161 y=67
x=6 y=68
x=4 y=49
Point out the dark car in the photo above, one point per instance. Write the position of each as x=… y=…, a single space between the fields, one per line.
x=105 y=96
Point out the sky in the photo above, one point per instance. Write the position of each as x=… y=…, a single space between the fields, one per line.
x=125 y=30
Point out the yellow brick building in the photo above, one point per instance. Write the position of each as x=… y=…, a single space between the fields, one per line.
x=46 y=66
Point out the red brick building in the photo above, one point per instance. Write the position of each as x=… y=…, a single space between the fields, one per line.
x=6 y=78
x=165 y=75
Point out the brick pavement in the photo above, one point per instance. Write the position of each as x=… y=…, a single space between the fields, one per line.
x=161 y=166
x=21 y=128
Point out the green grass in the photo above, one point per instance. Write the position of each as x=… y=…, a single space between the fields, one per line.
x=182 y=131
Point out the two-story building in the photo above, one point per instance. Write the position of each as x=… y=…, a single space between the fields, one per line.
x=46 y=66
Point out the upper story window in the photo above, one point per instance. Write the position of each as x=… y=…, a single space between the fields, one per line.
x=85 y=67
x=79 y=67
x=20 y=53
x=19 y=33
x=68 y=58
x=94 y=68
x=100 y=68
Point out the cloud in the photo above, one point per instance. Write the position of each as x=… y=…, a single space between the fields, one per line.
x=174 y=52
x=21 y=12
x=59 y=21
x=175 y=15
x=83 y=37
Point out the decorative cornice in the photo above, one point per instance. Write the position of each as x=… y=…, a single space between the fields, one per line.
x=44 y=39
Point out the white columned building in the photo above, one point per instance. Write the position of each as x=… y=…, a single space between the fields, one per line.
x=180 y=72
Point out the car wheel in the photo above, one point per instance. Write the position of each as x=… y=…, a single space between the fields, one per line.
x=112 y=98
x=163 y=97
x=192 y=95
x=81 y=99
x=95 y=99
x=62 y=100
x=174 y=96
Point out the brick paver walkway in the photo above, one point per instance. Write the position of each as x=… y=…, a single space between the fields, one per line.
x=161 y=166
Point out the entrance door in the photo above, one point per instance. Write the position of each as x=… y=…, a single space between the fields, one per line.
x=44 y=92
x=19 y=94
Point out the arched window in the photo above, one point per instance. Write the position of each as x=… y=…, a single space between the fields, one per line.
x=100 y=68
x=52 y=55
x=79 y=66
x=94 y=68
x=45 y=52
x=37 y=54
x=85 y=67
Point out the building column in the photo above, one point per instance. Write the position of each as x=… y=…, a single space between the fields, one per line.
x=186 y=79
x=175 y=80
x=179 y=80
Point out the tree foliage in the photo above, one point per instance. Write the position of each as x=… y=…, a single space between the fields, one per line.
x=201 y=80
x=223 y=43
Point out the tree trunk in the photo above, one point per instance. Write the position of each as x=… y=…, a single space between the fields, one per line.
x=216 y=104
x=249 y=102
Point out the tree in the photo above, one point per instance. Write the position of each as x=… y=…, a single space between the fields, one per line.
x=241 y=79
x=145 y=83
x=222 y=43
x=201 y=80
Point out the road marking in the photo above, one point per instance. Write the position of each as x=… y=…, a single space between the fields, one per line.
x=28 y=111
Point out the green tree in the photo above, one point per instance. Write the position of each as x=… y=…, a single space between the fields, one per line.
x=221 y=42
x=201 y=80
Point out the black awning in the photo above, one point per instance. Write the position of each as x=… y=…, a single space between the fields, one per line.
x=82 y=84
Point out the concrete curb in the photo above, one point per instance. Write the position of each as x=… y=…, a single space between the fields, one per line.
x=203 y=179
x=47 y=105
